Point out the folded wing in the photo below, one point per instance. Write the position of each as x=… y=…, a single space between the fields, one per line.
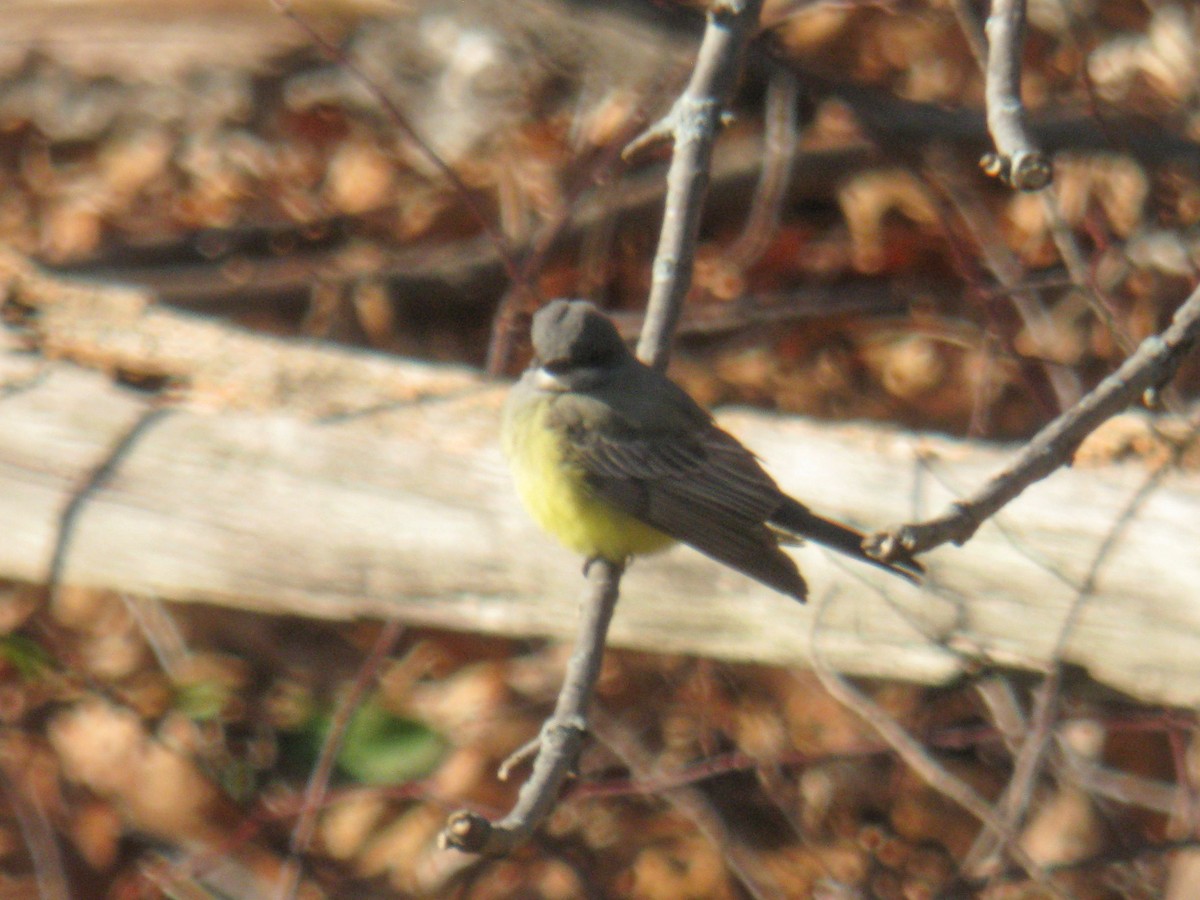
x=701 y=487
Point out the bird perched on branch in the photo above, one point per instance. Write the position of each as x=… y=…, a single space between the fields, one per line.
x=615 y=460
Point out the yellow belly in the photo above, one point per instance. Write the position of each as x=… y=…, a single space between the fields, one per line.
x=556 y=493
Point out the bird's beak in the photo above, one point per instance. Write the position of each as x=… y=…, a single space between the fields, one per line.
x=544 y=380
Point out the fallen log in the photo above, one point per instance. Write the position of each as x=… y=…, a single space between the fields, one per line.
x=405 y=509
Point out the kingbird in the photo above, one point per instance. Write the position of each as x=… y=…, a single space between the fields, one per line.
x=615 y=460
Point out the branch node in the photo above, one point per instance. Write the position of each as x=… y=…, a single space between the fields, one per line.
x=1154 y=363
x=1025 y=170
x=561 y=737
x=888 y=546
x=572 y=727
x=525 y=752
x=658 y=133
x=1017 y=161
x=465 y=831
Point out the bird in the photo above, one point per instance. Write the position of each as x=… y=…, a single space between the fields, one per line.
x=615 y=460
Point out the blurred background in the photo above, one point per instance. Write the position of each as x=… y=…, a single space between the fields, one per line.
x=414 y=178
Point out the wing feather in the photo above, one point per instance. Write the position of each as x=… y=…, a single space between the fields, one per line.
x=702 y=488
x=710 y=469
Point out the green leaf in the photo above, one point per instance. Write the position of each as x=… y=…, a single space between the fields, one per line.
x=380 y=748
x=377 y=747
x=25 y=655
x=202 y=701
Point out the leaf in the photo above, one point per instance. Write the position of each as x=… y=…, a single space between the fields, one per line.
x=377 y=747
x=25 y=655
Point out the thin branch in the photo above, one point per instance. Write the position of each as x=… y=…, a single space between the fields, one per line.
x=972 y=30
x=1072 y=256
x=942 y=169
x=562 y=734
x=318 y=781
x=915 y=756
x=693 y=124
x=897 y=124
x=1013 y=805
x=1121 y=787
x=1137 y=791
x=37 y=832
x=780 y=136
x=1017 y=160
x=160 y=631
x=96 y=479
x=1018 y=794
x=1154 y=363
x=690 y=802
x=286 y=9
x=1004 y=709
x=1064 y=240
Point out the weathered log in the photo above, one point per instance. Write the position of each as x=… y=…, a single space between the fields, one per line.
x=407 y=511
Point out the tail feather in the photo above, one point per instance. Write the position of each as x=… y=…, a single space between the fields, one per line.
x=797 y=520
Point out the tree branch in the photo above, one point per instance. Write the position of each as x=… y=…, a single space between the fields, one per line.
x=780 y=137
x=692 y=124
x=1152 y=365
x=315 y=791
x=914 y=755
x=562 y=734
x=1017 y=161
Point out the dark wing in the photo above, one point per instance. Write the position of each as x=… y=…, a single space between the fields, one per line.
x=701 y=487
x=793 y=518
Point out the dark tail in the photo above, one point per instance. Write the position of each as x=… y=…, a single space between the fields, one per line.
x=795 y=519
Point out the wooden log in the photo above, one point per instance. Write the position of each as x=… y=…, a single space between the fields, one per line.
x=407 y=511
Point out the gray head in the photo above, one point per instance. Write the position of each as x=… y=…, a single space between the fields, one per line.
x=572 y=337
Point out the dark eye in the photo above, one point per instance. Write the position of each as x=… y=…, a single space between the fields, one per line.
x=558 y=367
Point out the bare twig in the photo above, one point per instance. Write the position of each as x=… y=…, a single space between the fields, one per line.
x=318 y=781
x=286 y=8
x=1137 y=791
x=95 y=480
x=898 y=124
x=1072 y=257
x=691 y=803
x=1154 y=363
x=1006 y=268
x=561 y=736
x=972 y=30
x=160 y=631
x=1015 y=803
x=692 y=124
x=38 y=834
x=780 y=135
x=1004 y=709
x=1017 y=160
x=1064 y=240
x=1122 y=787
x=915 y=756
